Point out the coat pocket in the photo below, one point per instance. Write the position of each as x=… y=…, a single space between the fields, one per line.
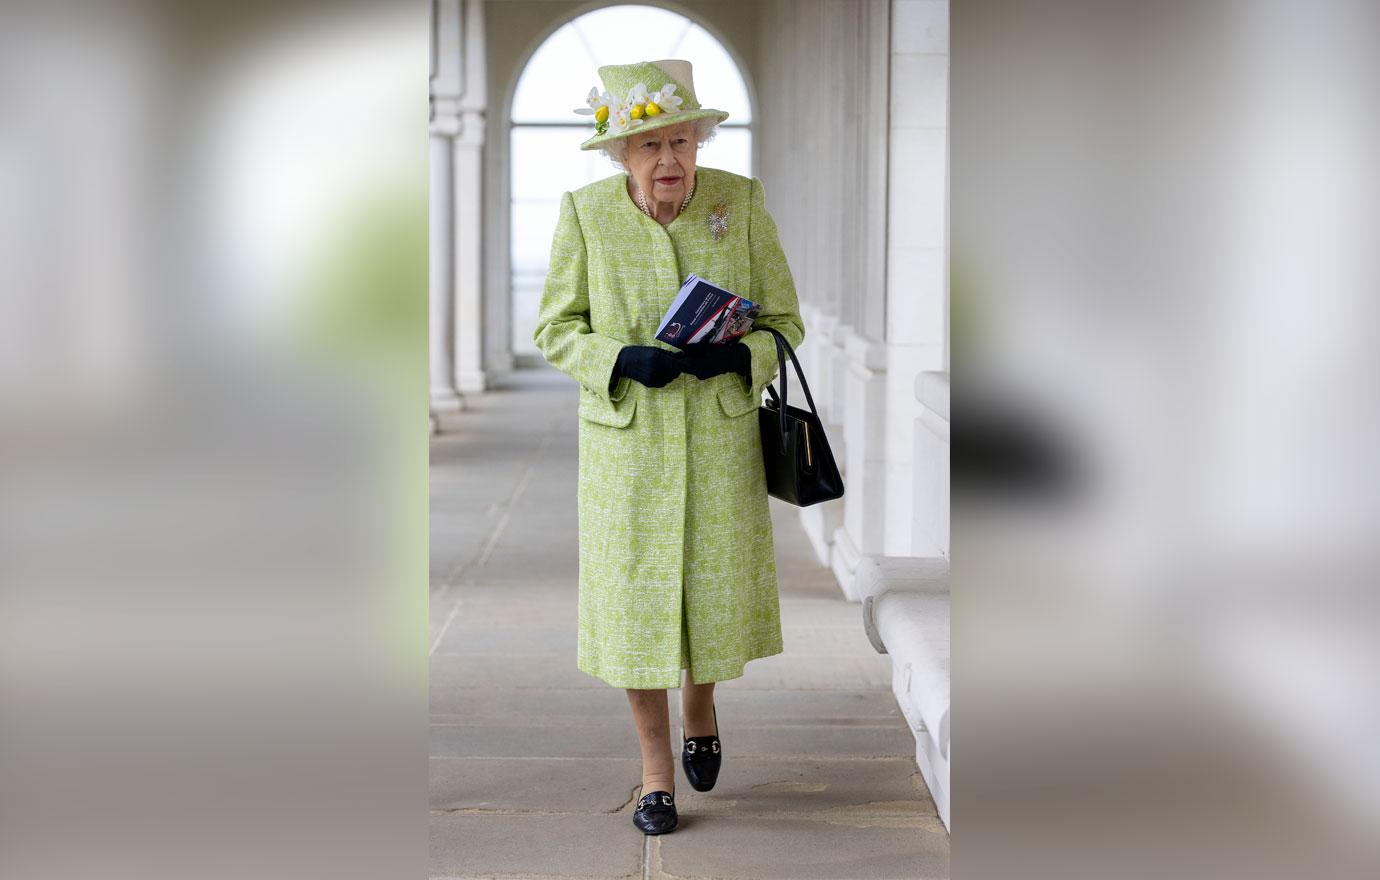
x=618 y=414
x=734 y=401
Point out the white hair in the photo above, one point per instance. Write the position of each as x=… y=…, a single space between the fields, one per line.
x=617 y=150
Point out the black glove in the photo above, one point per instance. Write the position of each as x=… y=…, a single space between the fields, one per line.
x=706 y=359
x=652 y=366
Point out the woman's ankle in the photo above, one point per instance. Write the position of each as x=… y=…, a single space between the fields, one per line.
x=697 y=714
x=658 y=782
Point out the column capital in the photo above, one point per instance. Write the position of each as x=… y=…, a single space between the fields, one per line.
x=471 y=131
x=445 y=117
x=465 y=125
x=445 y=127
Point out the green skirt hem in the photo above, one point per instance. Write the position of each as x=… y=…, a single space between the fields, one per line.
x=713 y=674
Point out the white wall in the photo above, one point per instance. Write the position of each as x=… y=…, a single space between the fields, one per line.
x=917 y=278
x=855 y=103
x=823 y=143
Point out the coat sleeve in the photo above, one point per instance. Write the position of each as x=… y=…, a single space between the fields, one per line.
x=772 y=287
x=563 y=333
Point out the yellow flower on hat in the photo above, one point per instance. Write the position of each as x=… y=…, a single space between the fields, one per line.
x=623 y=119
x=600 y=107
x=637 y=101
x=628 y=103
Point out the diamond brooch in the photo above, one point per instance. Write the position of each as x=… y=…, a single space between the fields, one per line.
x=718 y=221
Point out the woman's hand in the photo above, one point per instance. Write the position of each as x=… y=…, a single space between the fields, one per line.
x=706 y=359
x=652 y=366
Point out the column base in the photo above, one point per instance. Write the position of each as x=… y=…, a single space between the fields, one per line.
x=446 y=400
x=819 y=522
x=843 y=560
x=473 y=381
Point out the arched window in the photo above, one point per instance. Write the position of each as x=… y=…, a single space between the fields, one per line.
x=546 y=159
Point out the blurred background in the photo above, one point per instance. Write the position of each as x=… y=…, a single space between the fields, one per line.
x=1165 y=609
x=223 y=285
x=213 y=429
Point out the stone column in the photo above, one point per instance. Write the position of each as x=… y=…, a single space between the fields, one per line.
x=470 y=374
x=445 y=125
x=457 y=150
x=444 y=397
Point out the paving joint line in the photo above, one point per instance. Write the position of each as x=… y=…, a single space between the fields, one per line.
x=632 y=796
x=450 y=618
x=452 y=578
x=832 y=814
x=767 y=759
x=593 y=687
x=600 y=722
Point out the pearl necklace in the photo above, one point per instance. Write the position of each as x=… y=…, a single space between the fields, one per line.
x=642 y=201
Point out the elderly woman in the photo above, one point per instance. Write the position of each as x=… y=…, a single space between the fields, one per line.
x=677 y=570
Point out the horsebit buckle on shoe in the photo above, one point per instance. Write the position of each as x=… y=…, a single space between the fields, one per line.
x=691 y=746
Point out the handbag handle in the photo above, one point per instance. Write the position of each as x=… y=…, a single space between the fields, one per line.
x=800 y=374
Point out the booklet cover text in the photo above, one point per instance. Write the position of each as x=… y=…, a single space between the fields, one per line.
x=705 y=312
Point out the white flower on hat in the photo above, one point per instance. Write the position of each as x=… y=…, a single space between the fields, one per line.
x=639 y=101
x=625 y=117
x=664 y=100
x=600 y=106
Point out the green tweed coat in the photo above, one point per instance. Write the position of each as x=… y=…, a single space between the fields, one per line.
x=676 y=556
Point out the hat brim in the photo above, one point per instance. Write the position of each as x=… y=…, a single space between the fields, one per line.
x=660 y=121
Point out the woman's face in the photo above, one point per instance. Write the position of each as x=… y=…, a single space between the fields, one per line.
x=662 y=161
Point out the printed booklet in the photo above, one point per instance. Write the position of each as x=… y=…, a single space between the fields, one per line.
x=704 y=312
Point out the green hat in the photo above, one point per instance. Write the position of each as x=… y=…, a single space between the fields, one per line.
x=641 y=97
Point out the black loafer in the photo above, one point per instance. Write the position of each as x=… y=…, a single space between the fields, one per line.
x=656 y=813
x=701 y=756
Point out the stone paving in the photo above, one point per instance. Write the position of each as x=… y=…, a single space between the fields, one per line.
x=535 y=765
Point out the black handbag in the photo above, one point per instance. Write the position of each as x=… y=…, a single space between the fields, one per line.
x=799 y=463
